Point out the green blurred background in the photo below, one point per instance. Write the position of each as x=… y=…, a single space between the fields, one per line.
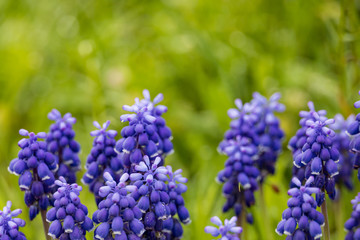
x=91 y=57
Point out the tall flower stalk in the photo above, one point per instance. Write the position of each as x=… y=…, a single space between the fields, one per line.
x=61 y=143
x=318 y=156
x=147 y=200
x=36 y=167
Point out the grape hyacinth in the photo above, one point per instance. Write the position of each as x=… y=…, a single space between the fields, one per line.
x=159 y=198
x=118 y=215
x=240 y=174
x=102 y=158
x=354 y=130
x=319 y=156
x=228 y=231
x=301 y=220
x=268 y=129
x=352 y=225
x=147 y=133
x=342 y=143
x=36 y=167
x=297 y=142
x=68 y=217
x=9 y=224
x=61 y=143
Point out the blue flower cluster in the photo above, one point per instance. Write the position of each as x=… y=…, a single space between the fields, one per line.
x=354 y=130
x=102 y=158
x=61 y=143
x=36 y=167
x=319 y=156
x=147 y=133
x=342 y=143
x=252 y=145
x=144 y=202
x=297 y=142
x=9 y=225
x=68 y=217
x=117 y=212
x=267 y=127
x=145 y=205
x=352 y=225
x=227 y=231
x=301 y=220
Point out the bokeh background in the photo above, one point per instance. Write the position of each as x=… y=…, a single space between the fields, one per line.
x=91 y=57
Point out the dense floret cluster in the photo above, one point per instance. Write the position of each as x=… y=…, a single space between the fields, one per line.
x=297 y=142
x=146 y=201
x=352 y=225
x=252 y=145
x=268 y=129
x=36 y=167
x=228 y=231
x=68 y=217
x=240 y=173
x=319 y=156
x=9 y=224
x=102 y=158
x=61 y=143
x=146 y=134
x=301 y=220
x=354 y=130
x=342 y=143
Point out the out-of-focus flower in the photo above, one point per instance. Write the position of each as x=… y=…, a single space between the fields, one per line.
x=342 y=143
x=9 y=224
x=227 y=231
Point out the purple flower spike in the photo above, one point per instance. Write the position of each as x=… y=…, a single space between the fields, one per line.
x=353 y=129
x=252 y=145
x=36 y=167
x=227 y=231
x=102 y=159
x=9 y=225
x=301 y=218
x=147 y=133
x=68 y=218
x=352 y=225
x=342 y=143
x=61 y=143
x=315 y=152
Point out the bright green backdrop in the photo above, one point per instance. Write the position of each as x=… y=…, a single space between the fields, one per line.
x=91 y=57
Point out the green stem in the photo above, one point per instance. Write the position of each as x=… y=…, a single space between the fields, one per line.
x=241 y=220
x=265 y=217
x=326 y=228
x=45 y=224
x=339 y=218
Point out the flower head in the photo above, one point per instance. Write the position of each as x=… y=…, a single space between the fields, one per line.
x=36 y=167
x=9 y=224
x=61 y=143
x=301 y=220
x=102 y=158
x=68 y=217
x=318 y=155
x=147 y=133
x=354 y=131
x=268 y=129
x=352 y=225
x=228 y=230
x=342 y=142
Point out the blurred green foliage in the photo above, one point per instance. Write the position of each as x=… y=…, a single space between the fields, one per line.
x=91 y=57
